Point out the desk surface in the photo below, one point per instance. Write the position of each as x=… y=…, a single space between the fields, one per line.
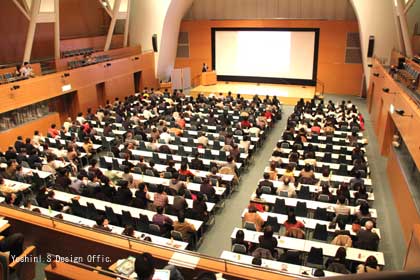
x=304 y=245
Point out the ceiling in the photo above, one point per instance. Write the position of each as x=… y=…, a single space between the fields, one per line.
x=260 y=9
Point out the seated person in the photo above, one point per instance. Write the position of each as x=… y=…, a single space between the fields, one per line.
x=257 y=201
x=267 y=240
x=366 y=238
x=253 y=217
x=370 y=265
x=102 y=224
x=287 y=187
x=185 y=228
x=267 y=183
x=240 y=239
x=289 y=173
x=291 y=222
x=338 y=264
x=341 y=208
x=200 y=208
x=164 y=222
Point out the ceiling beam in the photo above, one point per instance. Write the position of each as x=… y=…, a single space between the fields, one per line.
x=24 y=12
x=107 y=7
x=408 y=6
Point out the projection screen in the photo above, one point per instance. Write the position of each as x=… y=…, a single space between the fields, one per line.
x=266 y=55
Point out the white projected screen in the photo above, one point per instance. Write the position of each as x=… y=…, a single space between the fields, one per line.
x=271 y=54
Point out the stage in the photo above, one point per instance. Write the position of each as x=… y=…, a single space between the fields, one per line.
x=287 y=94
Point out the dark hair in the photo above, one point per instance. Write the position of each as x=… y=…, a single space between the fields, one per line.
x=100 y=220
x=240 y=235
x=252 y=209
x=291 y=218
x=341 y=224
x=159 y=210
x=340 y=255
x=364 y=208
x=181 y=217
x=266 y=176
x=268 y=231
x=144 y=266
x=128 y=230
x=342 y=199
x=256 y=261
x=372 y=262
x=319 y=273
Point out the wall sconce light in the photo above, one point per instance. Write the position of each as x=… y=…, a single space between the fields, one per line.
x=401 y=112
x=108 y=64
x=136 y=58
x=15 y=87
x=386 y=90
x=65 y=75
x=376 y=74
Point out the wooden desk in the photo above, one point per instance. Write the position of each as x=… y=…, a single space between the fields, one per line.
x=208 y=78
x=164 y=86
x=69 y=271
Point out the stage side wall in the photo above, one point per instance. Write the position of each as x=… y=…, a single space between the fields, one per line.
x=338 y=77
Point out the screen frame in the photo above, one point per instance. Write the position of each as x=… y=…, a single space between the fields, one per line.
x=270 y=80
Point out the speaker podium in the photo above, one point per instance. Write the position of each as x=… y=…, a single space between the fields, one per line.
x=208 y=78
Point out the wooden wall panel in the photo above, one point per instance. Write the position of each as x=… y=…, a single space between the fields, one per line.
x=407 y=210
x=119 y=87
x=78 y=18
x=96 y=42
x=8 y=137
x=87 y=98
x=45 y=87
x=338 y=77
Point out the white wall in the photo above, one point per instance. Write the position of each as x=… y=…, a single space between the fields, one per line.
x=161 y=17
x=147 y=18
x=169 y=39
x=376 y=17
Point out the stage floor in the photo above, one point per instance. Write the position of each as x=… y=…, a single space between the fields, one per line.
x=287 y=94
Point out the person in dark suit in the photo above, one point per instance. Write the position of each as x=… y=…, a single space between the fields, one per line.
x=102 y=223
x=205 y=68
x=196 y=163
x=267 y=183
x=19 y=144
x=367 y=239
x=52 y=203
x=124 y=195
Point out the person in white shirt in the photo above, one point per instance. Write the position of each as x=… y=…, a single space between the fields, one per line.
x=37 y=139
x=165 y=136
x=67 y=124
x=203 y=140
x=80 y=119
x=287 y=187
x=26 y=70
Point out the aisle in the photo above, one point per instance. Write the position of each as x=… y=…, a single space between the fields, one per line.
x=217 y=238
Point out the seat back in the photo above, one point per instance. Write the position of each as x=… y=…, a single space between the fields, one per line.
x=315 y=256
x=301 y=210
x=154 y=229
x=280 y=206
x=273 y=222
x=324 y=198
x=239 y=249
x=304 y=193
x=321 y=214
x=320 y=232
x=176 y=235
x=91 y=212
x=266 y=189
x=126 y=218
x=293 y=257
x=250 y=226
x=111 y=216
